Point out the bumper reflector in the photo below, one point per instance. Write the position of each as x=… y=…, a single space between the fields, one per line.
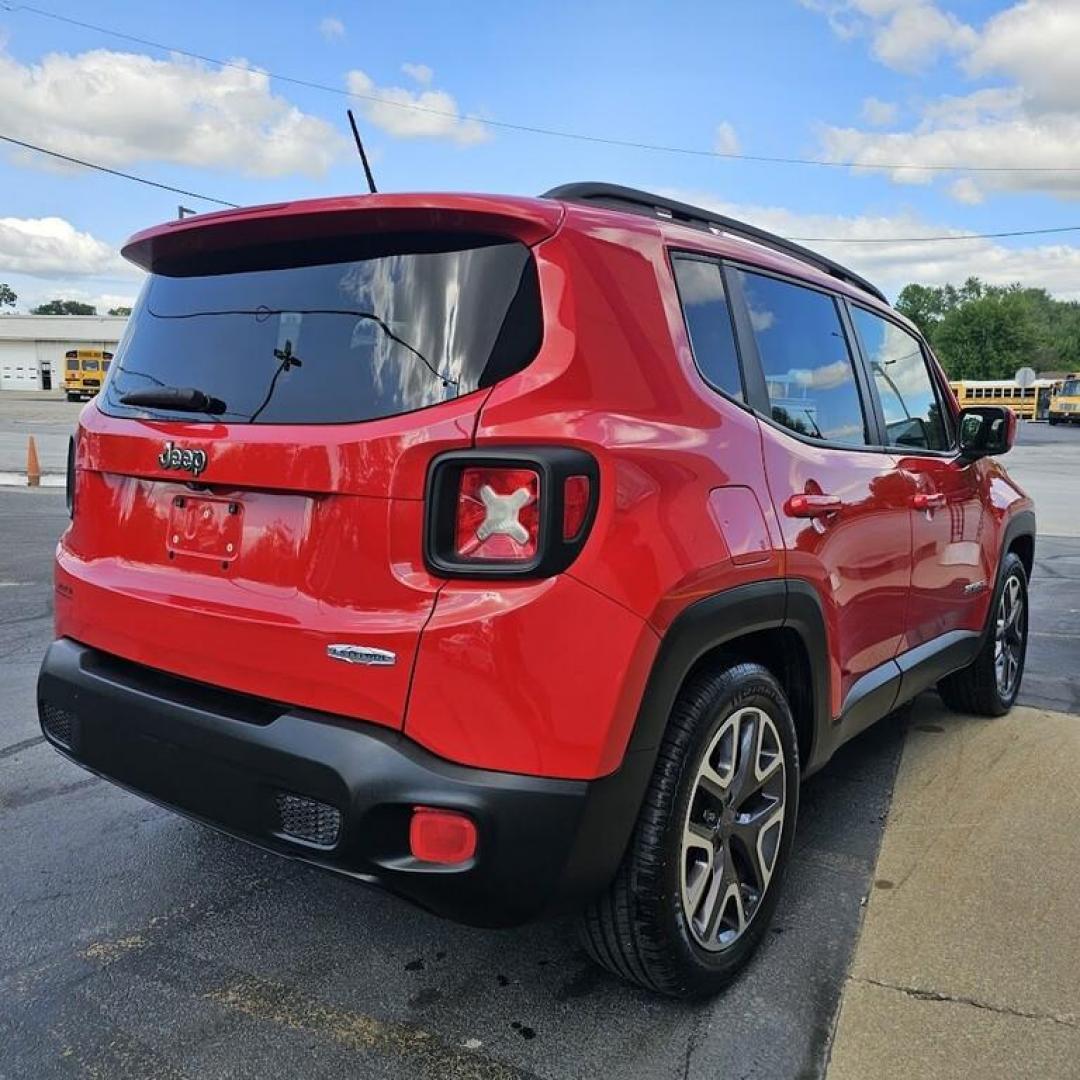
x=441 y=836
x=307 y=819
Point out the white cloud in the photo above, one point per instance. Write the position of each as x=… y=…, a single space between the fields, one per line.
x=879 y=113
x=421 y=73
x=915 y=35
x=1035 y=43
x=1030 y=123
x=727 y=140
x=331 y=28
x=52 y=247
x=119 y=108
x=965 y=190
x=407 y=114
x=1054 y=266
x=907 y=35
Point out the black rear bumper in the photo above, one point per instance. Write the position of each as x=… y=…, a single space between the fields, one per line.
x=227 y=760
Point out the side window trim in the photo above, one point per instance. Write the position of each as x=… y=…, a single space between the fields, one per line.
x=674 y=254
x=931 y=371
x=754 y=386
x=757 y=393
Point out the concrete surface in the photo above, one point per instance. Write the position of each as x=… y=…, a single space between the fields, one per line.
x=969 y=959
x=49 y=417
x=1046 y=462
x=888 y=1034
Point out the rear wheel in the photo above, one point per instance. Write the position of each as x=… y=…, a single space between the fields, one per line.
x=989 y=685
x=1053 y=420
x=72 y=396
x=701 y=876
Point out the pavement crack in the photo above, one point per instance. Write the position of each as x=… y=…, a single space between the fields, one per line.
x=1067 y=1020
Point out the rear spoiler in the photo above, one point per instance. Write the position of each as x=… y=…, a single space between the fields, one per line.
x=228 y=238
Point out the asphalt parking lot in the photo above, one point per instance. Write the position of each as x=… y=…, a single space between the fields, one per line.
x=136 y=944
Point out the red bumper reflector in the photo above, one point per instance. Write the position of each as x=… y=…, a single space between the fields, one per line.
x=441 y=836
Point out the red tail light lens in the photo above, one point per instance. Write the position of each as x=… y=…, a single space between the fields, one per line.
x=498 y=514
x=441 y=836
x=509 y=512
x=576 y=495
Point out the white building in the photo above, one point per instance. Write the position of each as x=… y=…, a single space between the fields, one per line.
x=32 y=347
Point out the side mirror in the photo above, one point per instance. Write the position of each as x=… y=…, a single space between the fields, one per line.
x=986 y=430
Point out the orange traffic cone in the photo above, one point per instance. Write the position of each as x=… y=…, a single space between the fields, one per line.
x=33 y=466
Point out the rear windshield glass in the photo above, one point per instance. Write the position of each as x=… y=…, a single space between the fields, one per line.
x=336 y=341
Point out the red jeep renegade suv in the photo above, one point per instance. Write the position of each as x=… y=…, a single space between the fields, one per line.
x=522 y=555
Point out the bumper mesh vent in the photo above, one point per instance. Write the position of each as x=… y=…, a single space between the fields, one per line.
x=307 y=819
x=59 y=724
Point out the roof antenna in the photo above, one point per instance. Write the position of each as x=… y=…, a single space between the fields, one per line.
x=363 y=156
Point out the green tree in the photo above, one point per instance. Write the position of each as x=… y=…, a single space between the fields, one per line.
x=987 y=337
x=125 y=311
x=7 y=295
x=978 y=329
x=64 y=307
x=924 y=305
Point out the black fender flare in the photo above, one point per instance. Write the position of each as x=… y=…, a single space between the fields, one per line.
x=723 y=617
x=1022 y=523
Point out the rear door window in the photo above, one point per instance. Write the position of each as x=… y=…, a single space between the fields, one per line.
x=804 y=354
x=914 y=416
x=708 y=323
x=334 y=341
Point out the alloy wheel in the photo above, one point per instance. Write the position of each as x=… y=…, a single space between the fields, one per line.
x=1009 y=637
x=734 y=822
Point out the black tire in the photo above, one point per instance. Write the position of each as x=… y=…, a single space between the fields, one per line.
x=977 y=688
x=72 y=397
x=638 y=928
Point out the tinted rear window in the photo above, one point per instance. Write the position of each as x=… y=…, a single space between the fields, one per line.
x=337 y=341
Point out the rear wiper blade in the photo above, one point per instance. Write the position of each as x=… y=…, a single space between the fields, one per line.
x=178 y=398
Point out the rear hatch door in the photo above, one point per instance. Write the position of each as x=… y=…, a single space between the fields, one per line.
x=272 y=543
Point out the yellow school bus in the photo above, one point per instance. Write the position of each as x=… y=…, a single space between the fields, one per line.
x=83 y=371
x=1029 y=403
x=1065 y=401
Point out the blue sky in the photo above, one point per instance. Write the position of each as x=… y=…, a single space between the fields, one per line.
x=955 y=82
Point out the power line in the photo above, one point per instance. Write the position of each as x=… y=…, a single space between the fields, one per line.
x=799 y=239
x=115 y=172
x=530 y=128
x=931 y=239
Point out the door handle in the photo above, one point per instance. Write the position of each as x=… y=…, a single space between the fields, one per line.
x=813 y=506
x=926 y=500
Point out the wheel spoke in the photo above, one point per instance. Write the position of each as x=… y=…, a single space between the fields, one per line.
x=712 y=907
x=744 y=781
x=697 y=874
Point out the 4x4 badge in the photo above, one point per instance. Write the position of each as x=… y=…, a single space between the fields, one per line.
x=173 y=457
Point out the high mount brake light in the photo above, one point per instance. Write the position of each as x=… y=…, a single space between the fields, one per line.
x=509 y=513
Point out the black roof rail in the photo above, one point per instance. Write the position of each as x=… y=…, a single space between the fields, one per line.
x=632 y=201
